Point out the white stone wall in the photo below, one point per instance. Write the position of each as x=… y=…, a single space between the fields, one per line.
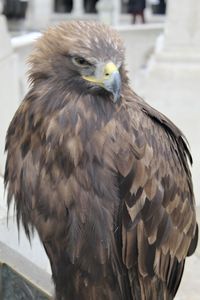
x=9 y=90
x=139 y=42
x=19 y=242
x=22 y=46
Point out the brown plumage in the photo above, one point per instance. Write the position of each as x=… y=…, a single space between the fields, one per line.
x=102 y=176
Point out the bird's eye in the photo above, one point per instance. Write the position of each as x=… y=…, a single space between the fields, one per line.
x=80 y=61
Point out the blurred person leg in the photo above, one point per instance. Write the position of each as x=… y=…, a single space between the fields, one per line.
x=142 y=16
x=136 y=8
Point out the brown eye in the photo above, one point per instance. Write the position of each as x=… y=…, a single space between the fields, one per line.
x=80 y=61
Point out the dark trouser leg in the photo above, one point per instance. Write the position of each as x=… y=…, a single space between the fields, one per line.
x=142 y=17
x=134 y=18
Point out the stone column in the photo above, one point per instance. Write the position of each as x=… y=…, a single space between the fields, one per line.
x=109 y=11
x=116 y=12
x=172 y=79
x=39 y=14
x=78 y=8
x=1 y=6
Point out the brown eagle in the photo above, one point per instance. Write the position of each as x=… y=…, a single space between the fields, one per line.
x=102 y=176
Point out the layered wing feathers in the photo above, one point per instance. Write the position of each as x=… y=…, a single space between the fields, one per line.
x=159 y=224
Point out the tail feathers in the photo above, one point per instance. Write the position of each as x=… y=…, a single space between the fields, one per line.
x=148 y=288
x=194 y=242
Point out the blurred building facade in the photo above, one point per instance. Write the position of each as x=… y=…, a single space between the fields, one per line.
x=39 y=13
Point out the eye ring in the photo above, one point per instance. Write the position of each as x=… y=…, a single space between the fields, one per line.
x=80 y=61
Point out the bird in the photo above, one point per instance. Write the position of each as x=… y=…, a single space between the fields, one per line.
x=103 y=177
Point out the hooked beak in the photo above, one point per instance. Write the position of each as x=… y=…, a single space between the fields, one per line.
x=110 y=80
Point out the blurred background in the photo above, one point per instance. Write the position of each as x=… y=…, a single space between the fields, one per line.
x=162 y=40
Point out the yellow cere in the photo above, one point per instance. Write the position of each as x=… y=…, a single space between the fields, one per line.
x=110 y=68
x=107 y=71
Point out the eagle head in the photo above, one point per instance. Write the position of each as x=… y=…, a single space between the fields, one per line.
x=80 y=55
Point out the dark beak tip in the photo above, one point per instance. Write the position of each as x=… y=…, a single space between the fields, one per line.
x=116 y=87
x=113 y=86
